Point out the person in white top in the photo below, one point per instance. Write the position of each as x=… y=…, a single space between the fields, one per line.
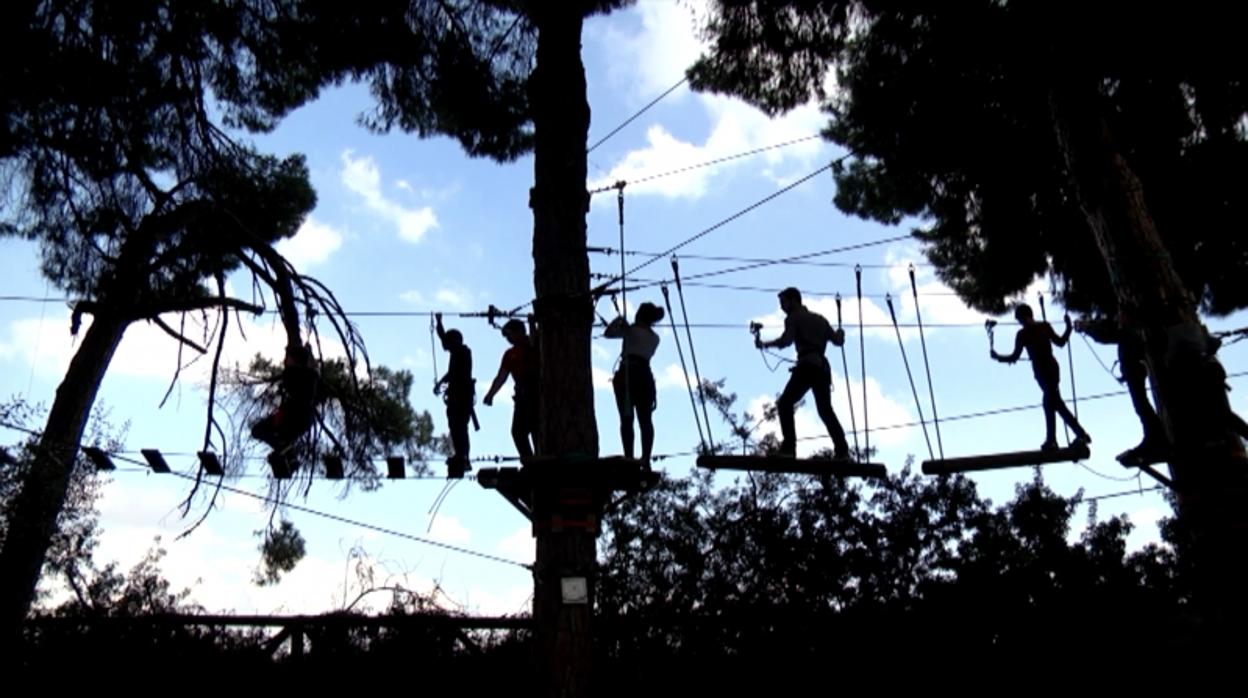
x=810 y=332
x=633 y=381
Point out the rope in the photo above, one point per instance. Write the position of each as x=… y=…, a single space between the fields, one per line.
x=927 y=366
x=862 y=351
x=918 y=405
x=693 y=355
x=849 y=393
x=667 y=301
x=437 y=502
x=1095 y=355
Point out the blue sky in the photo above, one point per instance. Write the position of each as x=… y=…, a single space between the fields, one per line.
x=404 y=224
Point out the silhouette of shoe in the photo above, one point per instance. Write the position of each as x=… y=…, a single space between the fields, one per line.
x=1049 y=446
x=1085 y=438
x=1130 y=457
x=787 y=450
x=841 y=454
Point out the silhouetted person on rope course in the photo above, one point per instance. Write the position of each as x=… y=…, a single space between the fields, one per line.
x=520 y=363
x=301 y=392
x=1038 y=339
x=633 y=380
x=1133 y=363
x=810 y=333
x=459 y=396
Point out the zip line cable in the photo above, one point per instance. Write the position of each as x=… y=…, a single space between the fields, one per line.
x=798 y=259
x=643 y=283
x=707 y=231
x=768 y=262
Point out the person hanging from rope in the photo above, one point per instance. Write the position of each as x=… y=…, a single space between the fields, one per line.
x=459 y=394
x=520 y=363
x=301 y=393
x=1038 y=339
x=810 y=333
x=633 y=381
x=1134 y=366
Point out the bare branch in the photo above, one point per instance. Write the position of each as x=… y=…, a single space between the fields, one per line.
x=178 y=336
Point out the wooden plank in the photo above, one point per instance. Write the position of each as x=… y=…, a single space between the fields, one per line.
x=992 y=461
x=210 y=463
x=787 y=464
x=101 y=459
x=590 y=481
x=155 y=460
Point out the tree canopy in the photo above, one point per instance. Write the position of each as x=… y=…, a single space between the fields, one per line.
x=948 y=114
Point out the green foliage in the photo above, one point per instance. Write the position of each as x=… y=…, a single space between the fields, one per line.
x=69 y=558
x=111 y=148
x=281 y=549
x=362 y=419
x=695 y=576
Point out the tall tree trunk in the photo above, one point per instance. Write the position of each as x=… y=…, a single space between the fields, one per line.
x=565 y=554
x=1207 y=461
x=33 y=517
x=560 y=262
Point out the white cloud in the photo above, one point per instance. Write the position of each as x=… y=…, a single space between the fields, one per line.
x=449 y=529
x=518 y=546
x=671 y=377
x=517 y=599
x=1148 y=516
x=414 y=297
x=43 y=344
x=652 y=60
x=655 y=57
x=361 y=175
x=602 y=379
x=738 y=128
x=313 y=244
x=452 y=298
x=146 y=351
